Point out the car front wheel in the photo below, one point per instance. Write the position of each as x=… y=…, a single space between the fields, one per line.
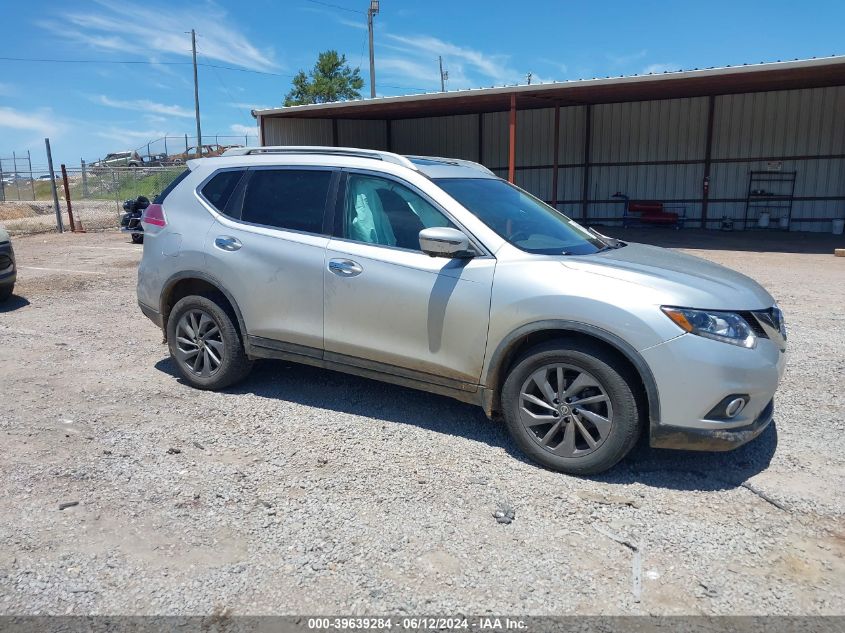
x=205 y=344
x=571 y=406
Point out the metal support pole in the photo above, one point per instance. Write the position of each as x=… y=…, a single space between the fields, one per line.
x=186 y=145
x=370 y=13
x=334 y=132
x=165 y=147
x=59 y=226
x=31 y=178
x=708 y=153
x=481 y=138
x=2 y=186
x=512 y=140
x=585 y=188
x=67 y=199
x=388 y=125
x=556 y=160
x=84 y=179
x=196 y=93
x=15 y=175
x=442 y=76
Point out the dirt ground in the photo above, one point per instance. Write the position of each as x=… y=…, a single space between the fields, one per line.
x=307 y=491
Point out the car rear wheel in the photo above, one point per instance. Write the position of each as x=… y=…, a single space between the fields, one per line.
x=571 y=407
x=6 y=292
x=205 y=344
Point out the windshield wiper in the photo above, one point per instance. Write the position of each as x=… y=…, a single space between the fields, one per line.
x=609 y=242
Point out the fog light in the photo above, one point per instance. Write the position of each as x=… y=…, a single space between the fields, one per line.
x=734 y=407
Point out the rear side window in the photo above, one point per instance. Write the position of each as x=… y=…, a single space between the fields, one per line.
x=287 y=198
x=159 y=199
x=219 y=189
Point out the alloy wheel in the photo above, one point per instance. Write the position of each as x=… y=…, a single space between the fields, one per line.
x=199 y=343
x=565 y=410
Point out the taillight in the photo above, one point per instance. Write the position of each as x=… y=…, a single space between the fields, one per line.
x=154 y=215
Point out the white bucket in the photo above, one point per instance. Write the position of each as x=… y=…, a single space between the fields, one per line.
x=763 y=222
x=838 y=226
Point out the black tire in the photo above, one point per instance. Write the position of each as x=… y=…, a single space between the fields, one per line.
x=234 y=365
x=615 y=380
x=6 y=292
x=137 y=238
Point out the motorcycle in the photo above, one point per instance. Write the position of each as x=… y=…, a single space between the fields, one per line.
x=131 y=220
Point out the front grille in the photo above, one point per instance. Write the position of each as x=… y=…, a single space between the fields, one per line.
x=752 y=321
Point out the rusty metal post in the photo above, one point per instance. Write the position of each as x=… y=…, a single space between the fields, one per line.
x=67 y=199
x=84 y=179
x=556 y=160
x=512 y=141
x=15 y=175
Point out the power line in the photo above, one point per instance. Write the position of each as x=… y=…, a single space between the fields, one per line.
x=144 y=62
x=335 y=6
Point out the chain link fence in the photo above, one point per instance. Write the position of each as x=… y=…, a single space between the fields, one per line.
x=96 y=197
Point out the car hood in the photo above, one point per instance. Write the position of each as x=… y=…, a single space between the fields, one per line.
x=678 y=278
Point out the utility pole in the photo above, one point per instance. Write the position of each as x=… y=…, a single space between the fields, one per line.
x=444 y=75
x=373 y=10
x=528 y=77
x=197 y=88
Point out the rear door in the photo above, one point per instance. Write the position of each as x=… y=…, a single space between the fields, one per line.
x=268 y=249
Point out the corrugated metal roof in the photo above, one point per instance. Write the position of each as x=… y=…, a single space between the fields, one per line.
x=696 y=82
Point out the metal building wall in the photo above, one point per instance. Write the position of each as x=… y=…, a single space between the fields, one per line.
x=649 y=150
x=804 y=129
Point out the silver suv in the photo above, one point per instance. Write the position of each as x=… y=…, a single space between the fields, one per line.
x=433 y=273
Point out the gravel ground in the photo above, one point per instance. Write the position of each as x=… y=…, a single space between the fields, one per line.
x=304 y=491
x=26 y=218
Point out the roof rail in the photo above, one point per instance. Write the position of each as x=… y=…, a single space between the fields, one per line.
x=460 y=162
x=388 y=157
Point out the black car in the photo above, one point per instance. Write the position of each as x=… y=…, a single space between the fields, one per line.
x=8 y=271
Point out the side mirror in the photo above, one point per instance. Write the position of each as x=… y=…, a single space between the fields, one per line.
x=441 y=241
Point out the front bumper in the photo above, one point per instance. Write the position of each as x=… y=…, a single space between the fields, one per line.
x=694 y=374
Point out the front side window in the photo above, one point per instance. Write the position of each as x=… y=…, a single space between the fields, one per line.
x=382 y=211
x=287 y=198
x=519 y=218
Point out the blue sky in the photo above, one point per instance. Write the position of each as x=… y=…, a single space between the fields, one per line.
x=88 y=109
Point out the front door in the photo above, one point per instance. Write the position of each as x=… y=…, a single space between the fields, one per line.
x=391 y=307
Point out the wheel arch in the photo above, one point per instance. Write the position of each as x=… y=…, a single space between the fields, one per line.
x=194 y=282
x=530 y=334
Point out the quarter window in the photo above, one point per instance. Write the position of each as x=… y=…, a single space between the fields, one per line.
x=287 y=198
x=219 y=189
x=381 y=211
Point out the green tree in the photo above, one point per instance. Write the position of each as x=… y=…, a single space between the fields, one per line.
x=331 y=79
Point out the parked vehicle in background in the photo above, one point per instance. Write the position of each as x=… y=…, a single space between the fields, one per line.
x=128 y=158
x=8 y=269
x=433 y=273
x=208 y=151
x=155 y=160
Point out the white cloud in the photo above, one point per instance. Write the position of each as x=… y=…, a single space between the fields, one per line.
x=129 y=136
x=658 y=68
x=239 y=129
x=248 y=106
x=112 y=25
x=627 y=58
x=145 y=105
x=464 y=64
x=42 y=122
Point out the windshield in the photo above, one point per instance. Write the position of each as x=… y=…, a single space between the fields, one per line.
x=520 y=218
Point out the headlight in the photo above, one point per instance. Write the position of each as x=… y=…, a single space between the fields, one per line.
x=727 y=327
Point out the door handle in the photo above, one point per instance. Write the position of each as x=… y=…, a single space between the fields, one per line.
x=227 y=243
x=345 y=267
